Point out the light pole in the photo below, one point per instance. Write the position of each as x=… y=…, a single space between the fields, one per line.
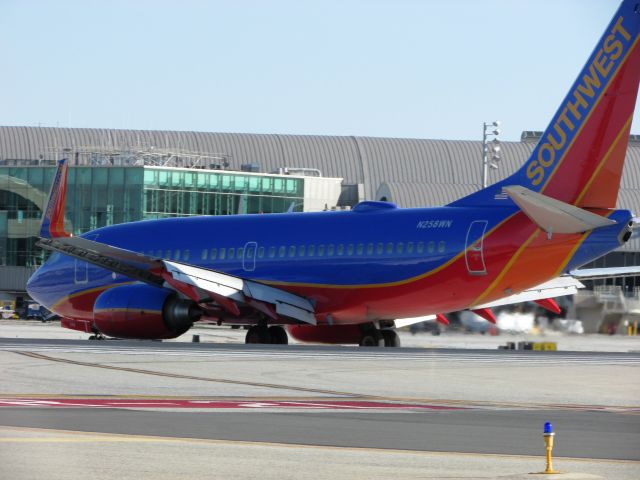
x=490 y=149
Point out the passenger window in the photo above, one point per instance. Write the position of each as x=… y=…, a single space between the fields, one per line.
x=301 y=251
x=360 y=249
x=231 y=254
x=167 y=254
x=205 y=254
x=282 y=251
x=223 y=254
x=176 y=254
x=420 y=247
x=159 y=253
x=350 y=249
x=186 y=255
x=441 y=246
x=399 y=248
x=410 y=247
x=369 y=248
x=214 y=253
x=261 y=252
x=340 y=249
x=330 y=249
x=321 y=250
x=272 y=252
x=431 y=247
x=379 y=248
x=311 y=250
x=292 y=251
x=241 y=253
x=389 y=248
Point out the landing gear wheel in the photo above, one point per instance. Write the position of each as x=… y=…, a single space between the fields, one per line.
x=258 y=334
x=278 y=335
x=97 y=336
x=371 y=339
x=390 y=337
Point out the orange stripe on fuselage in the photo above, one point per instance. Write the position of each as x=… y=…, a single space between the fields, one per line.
x=541 y=259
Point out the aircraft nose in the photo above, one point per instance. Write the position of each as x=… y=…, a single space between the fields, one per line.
x=34 y=284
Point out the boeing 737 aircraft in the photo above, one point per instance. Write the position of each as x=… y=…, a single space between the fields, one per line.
x=346 y=277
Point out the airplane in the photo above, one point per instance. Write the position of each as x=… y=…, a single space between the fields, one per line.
x=352 y=276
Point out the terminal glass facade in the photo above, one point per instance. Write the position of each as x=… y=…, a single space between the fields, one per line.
x=100 y=196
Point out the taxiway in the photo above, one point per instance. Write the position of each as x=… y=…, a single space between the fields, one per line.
x=240 y=411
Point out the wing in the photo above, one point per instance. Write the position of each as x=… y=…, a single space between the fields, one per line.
x=608 y=272
x=211 y=289
x=219 y=294
x=553 y=288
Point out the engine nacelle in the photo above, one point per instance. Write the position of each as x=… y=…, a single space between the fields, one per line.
x=326 y=333
x=143 y=312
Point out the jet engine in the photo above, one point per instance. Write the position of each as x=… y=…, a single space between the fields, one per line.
x=143 y=311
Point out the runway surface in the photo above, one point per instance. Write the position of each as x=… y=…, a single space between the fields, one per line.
x=302 y=400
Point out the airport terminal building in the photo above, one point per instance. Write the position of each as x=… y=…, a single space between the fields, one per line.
x=128 y=175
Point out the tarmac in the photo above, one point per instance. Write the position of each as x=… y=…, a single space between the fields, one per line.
x=448 y=406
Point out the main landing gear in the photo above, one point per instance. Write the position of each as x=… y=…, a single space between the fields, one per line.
x=379 y=338
x=275 y=335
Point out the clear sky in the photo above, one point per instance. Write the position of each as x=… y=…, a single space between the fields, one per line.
x=403 y=68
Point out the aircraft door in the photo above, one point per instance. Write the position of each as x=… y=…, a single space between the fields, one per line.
x=249 y=256
x=474 y=248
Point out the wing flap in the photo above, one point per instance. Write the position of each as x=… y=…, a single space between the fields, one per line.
x=239 y=290
x=207 y=280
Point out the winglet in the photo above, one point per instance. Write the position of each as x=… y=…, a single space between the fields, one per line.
x=52 y=225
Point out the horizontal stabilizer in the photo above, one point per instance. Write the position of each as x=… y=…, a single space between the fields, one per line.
x=554 y=216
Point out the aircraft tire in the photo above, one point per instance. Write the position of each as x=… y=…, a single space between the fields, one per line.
x=371 y=339
x=390 y=337
x=258 y=334
x=278 y=335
